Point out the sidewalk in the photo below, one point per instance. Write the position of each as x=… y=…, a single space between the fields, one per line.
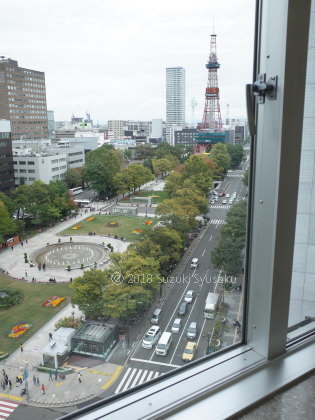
x=13 y=260
x=95 y=378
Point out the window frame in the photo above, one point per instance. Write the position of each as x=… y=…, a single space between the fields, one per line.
x=230 y=381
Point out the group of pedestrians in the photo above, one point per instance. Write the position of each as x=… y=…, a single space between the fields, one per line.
x=5 y=381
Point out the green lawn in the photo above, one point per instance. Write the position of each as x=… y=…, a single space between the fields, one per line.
x=100 y=225
x=30 y=310
x=159 y=196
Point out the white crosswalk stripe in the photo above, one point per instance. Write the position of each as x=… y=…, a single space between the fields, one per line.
x=6 y=408
x=220 y=207
x=217 y=222
x=134 y=377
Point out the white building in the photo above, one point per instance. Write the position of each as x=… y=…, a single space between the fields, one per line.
x=157 y=128
x=42 y=166
x=175 y=98
x=116 y=129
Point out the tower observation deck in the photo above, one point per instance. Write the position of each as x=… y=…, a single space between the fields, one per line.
x=211 y=127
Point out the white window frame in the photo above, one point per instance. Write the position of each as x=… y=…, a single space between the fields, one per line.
x=225 y=384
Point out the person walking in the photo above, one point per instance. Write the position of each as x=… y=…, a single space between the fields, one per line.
x=3 y=385
x=79 y=377
x=37 y=381
x=25 y=273
x=21 y=347
x=50 y=376
x=34 y=380
x=50 y=336
x=43 y=389
x=10 y=384
x=56 y=374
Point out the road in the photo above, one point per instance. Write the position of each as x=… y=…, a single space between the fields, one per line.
x=144 y=364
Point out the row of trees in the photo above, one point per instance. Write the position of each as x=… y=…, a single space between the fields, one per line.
x=228 y=253
x=34 y=205
x=134 y=277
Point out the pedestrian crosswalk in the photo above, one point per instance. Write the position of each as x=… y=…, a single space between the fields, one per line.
x=134 y=377
x=226 y=206
x=217 y=222
x=6 y=408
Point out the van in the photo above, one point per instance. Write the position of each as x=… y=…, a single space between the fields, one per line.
x=164 y=344
x=155 y=318
x=194 y=263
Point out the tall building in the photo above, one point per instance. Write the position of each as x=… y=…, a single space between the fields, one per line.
x=23 y=100
x=6 y=160
x=175 y=99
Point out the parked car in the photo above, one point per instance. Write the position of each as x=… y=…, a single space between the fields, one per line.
x=189 y=352
x=151 y=337
x=224 y=201
x=176 y=325
x=189 y=296
x=182 y=308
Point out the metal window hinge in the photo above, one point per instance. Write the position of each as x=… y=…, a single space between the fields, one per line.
x=260 y=89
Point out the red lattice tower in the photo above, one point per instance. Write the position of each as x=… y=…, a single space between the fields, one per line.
x=212 y=115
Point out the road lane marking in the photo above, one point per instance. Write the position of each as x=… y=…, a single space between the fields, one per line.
x=136 y=378
x=210 y=238
x=143 y=376
x=122 y=381
x=129 y=380
x=155 y=363
x=203 y=252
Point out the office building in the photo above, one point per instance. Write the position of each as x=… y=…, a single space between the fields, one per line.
x=185 y=137
x=51 y=124
x=6 y=161
x=23 y=100
x=175 y=99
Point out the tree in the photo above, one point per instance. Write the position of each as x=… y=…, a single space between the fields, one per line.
x=144 y=151
x=227 y=255
x=101 y=166
x=162 y=166
x=127 y=154
x=219 y=155
x=173 y=181
x=193 y=196
x=73 y=177
x=7 y=224
x=178 y=213
x=88 y=292
x=197 y=171
x=236 y=152
x=245 y=177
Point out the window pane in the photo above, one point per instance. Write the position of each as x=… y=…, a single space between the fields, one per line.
x=302 y=302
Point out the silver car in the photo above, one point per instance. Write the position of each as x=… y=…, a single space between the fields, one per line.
x=189 y=296
x=192 y=331
x=176 y=325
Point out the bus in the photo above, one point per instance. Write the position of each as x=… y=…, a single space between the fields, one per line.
x=75 y=191
x=82 y=202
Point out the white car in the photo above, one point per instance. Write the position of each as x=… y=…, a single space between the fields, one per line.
x=176 y=325
x=227 y=195
x=212 y=202
x=151 y=337
x=224 y=201
x=189 y=296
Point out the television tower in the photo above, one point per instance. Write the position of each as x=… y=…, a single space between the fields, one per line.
x=212 y=114
x=211 y=127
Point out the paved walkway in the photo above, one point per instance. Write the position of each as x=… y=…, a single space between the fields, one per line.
x=12 y=261
x=95 y=379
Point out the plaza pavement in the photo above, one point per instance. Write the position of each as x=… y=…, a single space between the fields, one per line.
x=97 y=378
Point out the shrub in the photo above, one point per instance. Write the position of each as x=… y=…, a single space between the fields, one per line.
x=69 y=322
x=13 y=298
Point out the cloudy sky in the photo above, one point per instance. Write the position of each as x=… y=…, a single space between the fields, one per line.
x=108 y=57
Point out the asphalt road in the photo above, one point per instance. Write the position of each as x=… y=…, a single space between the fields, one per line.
x=144 y=364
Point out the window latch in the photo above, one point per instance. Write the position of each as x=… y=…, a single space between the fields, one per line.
x=259 y=89
x=262 y=88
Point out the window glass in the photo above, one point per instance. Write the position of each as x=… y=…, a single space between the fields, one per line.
x=302 y=301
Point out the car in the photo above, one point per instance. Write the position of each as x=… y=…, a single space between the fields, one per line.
x=216 y=198
x=189 y=352
x=230 y=201
x=224 y=201
x=221 y=194
x=192 y=331
x=189 y=296
x=212 y=202
x=182 y=309
x=227 y=195
x=230 y=171
x=151 y=337
x=194 y=263
x=176 y=325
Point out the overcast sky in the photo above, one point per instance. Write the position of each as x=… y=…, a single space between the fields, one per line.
x=108 y=57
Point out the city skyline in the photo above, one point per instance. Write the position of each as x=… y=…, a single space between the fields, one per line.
x=110 y=59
